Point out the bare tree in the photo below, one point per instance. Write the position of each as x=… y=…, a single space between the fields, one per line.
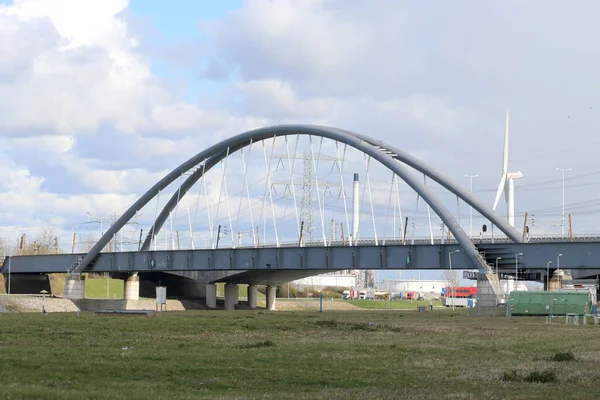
x=450 y=278
x=44 y=243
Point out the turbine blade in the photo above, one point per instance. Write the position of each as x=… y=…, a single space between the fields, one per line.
x=500 y=188
x=505 y=155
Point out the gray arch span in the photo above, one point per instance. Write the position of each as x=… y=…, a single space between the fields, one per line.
x=398 y=154
x=359 y=142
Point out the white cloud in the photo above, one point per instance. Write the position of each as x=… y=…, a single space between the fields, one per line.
x=81 y=107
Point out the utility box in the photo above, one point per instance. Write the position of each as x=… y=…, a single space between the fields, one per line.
x=161 y=297
x=550 y=302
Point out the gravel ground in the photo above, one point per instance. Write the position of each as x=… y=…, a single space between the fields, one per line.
x=290 y=305
x=16 y=303
x=34 y=304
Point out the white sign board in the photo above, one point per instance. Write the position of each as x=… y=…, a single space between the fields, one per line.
x=161 y=295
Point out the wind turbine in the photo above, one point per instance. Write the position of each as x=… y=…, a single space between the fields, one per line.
x=507 y=182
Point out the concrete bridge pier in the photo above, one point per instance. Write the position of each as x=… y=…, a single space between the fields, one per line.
x=211 y=295
x=231 y=295
x=271 y=292
x=132 y=287
x=252 y=296
x=75 y=287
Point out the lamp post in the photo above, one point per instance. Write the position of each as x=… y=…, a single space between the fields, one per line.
x=451 y=277
x=562 y=213
x=9 y=258
x=558 y=260
x=548 y=275
x=471 y=209
x=517 y=269
x=497 y=258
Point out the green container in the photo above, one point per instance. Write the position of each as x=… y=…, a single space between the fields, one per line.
x=550 y=303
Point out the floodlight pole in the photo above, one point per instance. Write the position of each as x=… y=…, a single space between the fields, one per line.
x=562 y=213
x=9 y=258
x=451 y=277
x=548 y=275
x=517 y=269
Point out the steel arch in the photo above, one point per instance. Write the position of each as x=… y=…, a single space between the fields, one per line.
x=399 y=154
x=360 y=142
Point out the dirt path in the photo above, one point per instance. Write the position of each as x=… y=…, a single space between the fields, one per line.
x=290 y=305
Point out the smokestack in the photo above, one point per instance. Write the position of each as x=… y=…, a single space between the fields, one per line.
x=356 y=209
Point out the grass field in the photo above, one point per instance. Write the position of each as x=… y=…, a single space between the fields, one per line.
x=302 y=355
x=98 y=288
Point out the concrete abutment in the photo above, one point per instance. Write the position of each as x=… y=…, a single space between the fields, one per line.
x=132 y=288
x=231 y=295
x=211 y=295
x=74 y=287
x=271 y=292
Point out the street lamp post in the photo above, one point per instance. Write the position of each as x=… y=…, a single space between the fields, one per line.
x=451 y=277
x=9 y=258
x=558 y=260
x=471 y=209
x=517 y=269
x=562 y=213
x=497 y=258
x=548 y=275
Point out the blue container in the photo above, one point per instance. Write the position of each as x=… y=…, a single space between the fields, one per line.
x=470 y=303
x=594 y=310
x=400 y=295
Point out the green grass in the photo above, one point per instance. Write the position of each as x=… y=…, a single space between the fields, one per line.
x=302 y=355
x=242 y=291
x=395 y=305
x=96 y=288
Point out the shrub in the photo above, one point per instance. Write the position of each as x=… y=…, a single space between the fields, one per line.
x=266 y=343
x=546 y=376
x=510 y=376
x=331 y=323
x=566 y=356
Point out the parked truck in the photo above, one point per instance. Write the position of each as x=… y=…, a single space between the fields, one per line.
x=458 y=302
x=356 y=294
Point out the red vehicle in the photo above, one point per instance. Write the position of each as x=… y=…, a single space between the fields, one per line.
x=461 y=292
x=411 y=296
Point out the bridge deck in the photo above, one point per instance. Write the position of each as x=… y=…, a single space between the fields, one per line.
x=579 y=255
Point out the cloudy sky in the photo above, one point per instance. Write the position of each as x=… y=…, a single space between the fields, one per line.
x=101 y=98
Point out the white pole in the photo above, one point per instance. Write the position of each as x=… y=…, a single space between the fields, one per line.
x=356 y=209
x=548 y=275
x=9 y=257
x=471 y=209
x=516 y=270
x=497 y=258
x=451 y=277
x=562 y=214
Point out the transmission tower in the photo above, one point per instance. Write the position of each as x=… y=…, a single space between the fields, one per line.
x=308 y=185
x=117 y=241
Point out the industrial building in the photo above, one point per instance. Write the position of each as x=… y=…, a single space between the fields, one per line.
x=413 y=285
x=328 y=280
